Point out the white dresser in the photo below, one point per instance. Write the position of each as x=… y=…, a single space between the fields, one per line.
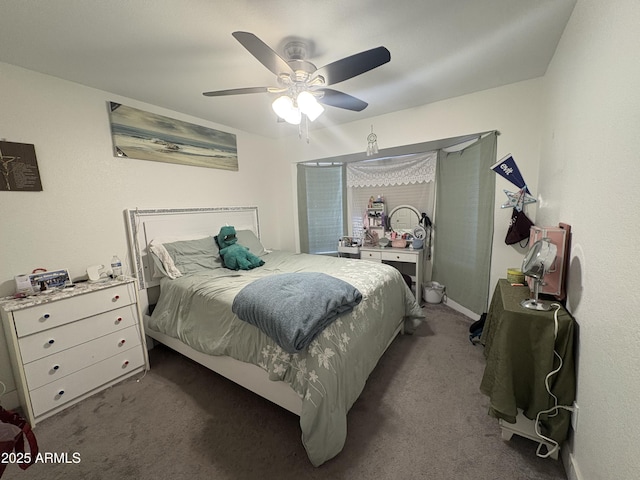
x=401 y=255
x=69 y=344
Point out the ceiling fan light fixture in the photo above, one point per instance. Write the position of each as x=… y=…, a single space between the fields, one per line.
x=282 y=106
x=294 y=117
x=300 y=84
x=285 y=109
x=308 y=104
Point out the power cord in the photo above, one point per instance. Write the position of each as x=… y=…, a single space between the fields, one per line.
x=144 y=374
x=553 y=411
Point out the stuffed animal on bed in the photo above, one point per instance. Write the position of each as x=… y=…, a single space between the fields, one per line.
x=234 y=255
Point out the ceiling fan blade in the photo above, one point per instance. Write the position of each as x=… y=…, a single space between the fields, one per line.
x=263 y=53
x=354 y=65
x=236 y=91
x=338 y=99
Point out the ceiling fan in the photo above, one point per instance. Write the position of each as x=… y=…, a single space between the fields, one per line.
x=301 y=86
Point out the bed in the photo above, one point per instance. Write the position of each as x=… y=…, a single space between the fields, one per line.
x=193 y=314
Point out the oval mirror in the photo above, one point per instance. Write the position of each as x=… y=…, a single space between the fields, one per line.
x=403 y=219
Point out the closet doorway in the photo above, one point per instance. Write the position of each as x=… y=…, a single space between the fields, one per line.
x=459 y=199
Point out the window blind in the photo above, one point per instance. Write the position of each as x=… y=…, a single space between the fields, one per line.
x=321 y=207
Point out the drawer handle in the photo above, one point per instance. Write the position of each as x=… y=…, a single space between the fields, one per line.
x=46 y=315
x=116 y=298
x=51 y=342
x=118 y=320
x=126 y=362
x=122 y=341
x=56 y=367
x=61 y=392
x=398 y=257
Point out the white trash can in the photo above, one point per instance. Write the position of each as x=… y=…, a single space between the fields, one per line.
x=434 y=292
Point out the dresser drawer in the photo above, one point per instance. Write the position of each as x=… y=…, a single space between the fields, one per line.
x=56 y=313
x=366 y=255
x=54 y=367
x=61 y=391
x=399 y=257
x=48 y=342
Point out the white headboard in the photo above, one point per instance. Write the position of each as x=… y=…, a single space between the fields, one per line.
x=145 y=225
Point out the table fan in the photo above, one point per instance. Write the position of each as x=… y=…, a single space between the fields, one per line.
x=536 y=264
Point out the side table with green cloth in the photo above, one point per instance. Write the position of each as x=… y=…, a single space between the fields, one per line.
x=519 y=345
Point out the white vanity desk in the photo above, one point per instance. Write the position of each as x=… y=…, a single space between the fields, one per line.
x=403 y=255
x=402 y=219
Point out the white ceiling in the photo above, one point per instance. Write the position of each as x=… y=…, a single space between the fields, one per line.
x=167 y=52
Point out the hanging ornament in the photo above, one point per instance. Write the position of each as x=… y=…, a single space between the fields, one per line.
x=518 y=199
x=372 y=143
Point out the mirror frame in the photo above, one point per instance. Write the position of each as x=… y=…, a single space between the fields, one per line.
x=399 y=207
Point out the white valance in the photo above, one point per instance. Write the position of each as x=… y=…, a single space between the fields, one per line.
x=408 y=169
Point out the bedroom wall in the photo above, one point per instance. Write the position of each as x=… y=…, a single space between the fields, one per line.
x=514 y=110
x=77 y=220
x=588 y=176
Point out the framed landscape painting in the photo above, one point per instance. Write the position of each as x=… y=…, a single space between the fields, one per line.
x=149 y=136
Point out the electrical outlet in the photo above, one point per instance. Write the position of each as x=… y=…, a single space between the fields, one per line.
x=574 y=417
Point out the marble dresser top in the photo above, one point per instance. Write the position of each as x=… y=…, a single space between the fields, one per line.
x=11 y=303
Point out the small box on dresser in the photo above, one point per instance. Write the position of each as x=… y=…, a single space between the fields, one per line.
x=72 y=343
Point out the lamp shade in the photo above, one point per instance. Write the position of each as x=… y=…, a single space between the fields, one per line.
x=284 y=108
x=308 y=104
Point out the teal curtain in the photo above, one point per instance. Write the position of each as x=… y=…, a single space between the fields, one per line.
x=463 y=224
x=322 y=207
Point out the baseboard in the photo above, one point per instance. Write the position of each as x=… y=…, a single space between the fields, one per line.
x=571 y=466
x=459 y=308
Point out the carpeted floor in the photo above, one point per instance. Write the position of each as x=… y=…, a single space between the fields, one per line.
x=421 y=416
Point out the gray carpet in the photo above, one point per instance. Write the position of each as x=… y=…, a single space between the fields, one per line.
x=421 y=416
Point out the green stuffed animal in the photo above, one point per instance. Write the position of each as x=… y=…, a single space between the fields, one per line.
x=234 y=255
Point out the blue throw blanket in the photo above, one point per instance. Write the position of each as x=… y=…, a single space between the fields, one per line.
x=293 y=308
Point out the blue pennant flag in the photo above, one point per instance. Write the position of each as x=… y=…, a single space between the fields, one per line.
x=507 y=168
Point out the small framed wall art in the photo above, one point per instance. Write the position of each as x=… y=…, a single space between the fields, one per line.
x=19 y=167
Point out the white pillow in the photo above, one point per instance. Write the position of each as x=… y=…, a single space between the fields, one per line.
x=161 y=254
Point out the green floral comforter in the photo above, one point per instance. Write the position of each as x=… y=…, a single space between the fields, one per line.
x=331 y=373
